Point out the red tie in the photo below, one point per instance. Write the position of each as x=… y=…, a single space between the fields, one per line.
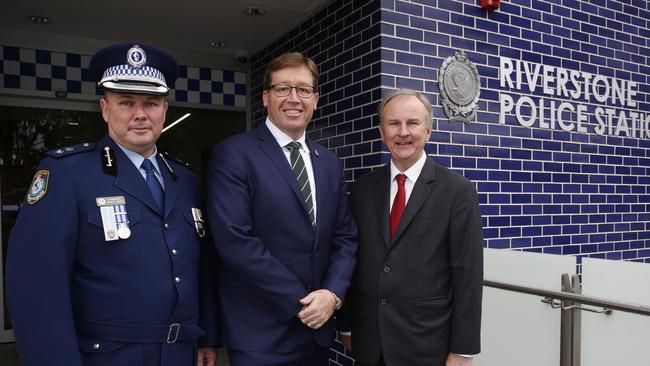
x=398 y=204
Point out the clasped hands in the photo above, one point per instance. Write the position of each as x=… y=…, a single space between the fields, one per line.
x=317 y=308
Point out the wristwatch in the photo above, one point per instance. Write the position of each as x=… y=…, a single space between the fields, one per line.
x=337 y=301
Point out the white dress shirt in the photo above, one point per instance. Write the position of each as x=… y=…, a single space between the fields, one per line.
x=411 y=174
x=283 y=139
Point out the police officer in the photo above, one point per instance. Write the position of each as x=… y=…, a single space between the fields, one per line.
x=108 y=255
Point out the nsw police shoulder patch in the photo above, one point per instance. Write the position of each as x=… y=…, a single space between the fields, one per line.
x=38 y=188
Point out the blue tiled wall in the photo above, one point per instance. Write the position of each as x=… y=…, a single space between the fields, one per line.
x=343 y=39
x=544 y=190
x=541 y=189
x=42 y=72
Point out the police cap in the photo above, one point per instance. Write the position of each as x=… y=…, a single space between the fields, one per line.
x=134 y=68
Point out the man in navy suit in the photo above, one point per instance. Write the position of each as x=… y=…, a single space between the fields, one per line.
x=278 y=210
x=109 y=250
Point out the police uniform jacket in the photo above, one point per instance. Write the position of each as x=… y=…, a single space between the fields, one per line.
x=77 y=299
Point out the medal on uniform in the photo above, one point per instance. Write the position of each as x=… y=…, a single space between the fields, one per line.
x=114 y=217
x=110 y=234
x=123 y=231
x=199 y=224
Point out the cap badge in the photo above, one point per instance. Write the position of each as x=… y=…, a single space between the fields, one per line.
x=136 y=57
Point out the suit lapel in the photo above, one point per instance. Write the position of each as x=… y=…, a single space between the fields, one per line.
x=130 y=180
x=421 y=191
x=171 y=186
x=274 y=152
x=382 y=202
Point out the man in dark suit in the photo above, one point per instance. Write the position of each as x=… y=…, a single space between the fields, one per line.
x=415 y=297
x=109 y=252
x=278 y=210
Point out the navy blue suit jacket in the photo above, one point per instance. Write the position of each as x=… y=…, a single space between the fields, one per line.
x=74 y=298
x=271 y=255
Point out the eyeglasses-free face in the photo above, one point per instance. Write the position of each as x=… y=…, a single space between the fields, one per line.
x=282 y=90
x=135 y=121
x=405 y=129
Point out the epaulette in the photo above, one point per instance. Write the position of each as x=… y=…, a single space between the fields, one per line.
x=181 y=162
x=70 y=150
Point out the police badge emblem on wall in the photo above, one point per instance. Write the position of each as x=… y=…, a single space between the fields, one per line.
x=460 y=88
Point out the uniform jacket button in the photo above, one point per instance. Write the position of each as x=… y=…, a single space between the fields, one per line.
x=96 y=346
x=387 y=269
x=383 y=301
x=177 y=279
x=174 y=252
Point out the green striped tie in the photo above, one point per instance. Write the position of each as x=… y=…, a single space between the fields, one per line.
x=298 y=167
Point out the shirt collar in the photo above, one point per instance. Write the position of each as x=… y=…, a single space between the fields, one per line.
x=282 y=138
x=411 y=173
x=137 y=159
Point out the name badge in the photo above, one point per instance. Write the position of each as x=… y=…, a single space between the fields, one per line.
x=115 y=220
x=199 y=224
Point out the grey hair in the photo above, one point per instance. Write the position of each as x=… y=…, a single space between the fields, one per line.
x=406 y=92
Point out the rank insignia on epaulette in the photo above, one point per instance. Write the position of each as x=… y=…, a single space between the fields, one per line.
x=38 y=188
x=70 y=150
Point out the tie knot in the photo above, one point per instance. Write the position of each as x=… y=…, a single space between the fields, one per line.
x=401 y=178
x=147 y=165
x=293 y=145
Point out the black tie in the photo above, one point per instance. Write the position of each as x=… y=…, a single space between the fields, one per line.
x=299 y=169
x=153 y=183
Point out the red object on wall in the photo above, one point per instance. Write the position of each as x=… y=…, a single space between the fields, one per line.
x=489 y=5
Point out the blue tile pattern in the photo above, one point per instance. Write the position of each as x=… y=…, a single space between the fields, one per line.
x=43 y=72
x=343 y=39
x=541 y=189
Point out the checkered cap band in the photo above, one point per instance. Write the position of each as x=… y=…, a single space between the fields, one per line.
x=145 y=74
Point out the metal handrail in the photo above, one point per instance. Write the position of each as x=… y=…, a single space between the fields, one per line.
x=581 y=299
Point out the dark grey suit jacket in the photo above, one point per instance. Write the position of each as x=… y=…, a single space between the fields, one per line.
x=417 y=297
